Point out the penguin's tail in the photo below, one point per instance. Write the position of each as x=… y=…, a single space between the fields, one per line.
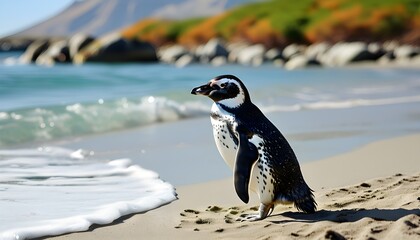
x=307 y=203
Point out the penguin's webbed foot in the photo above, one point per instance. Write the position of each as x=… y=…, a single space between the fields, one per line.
x=251 y=217
x=263 y=212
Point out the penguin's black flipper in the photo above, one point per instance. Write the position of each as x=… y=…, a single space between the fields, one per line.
x=246 y=156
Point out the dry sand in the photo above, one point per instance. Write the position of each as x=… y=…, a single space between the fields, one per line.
x=369 y=193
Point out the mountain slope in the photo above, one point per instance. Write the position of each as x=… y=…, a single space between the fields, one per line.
x=97 y=17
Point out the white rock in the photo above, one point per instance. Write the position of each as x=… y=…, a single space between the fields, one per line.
x=172 y=54
x=343 y=53
x=251 y=55
x=210 y=50
x=300 y=61
x=185 y=60
x=219 y=61
x=292 y=49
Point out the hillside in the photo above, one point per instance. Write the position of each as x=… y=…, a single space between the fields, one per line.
x=97 y=17
x=279 y=22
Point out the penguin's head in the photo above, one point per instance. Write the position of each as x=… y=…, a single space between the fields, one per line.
x=227 y=90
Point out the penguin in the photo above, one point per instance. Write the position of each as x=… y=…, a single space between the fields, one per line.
x=260 y=156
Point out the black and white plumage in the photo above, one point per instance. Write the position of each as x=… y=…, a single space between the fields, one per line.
x=260 y=156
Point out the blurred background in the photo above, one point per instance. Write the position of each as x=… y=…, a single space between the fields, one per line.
x=128 y=30
x=85 y=82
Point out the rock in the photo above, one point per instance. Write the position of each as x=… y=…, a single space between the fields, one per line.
x=172 y=54
x=278 y=62
x=78 y=42
x=300 y=61
x=56 y=52
x=219 y=61
x=114 y=48
x=234 y=50
x=291 y=50
x=185 y=60
x=398 y=54
x=389 y=46
x=375 y=48
x=213 y=48
x=344 y=53
x=273 y=54
x=34 y=50
x=253 y=55
x=315 y=51
x=12 y=44
x=387 y=58
x=406 y=51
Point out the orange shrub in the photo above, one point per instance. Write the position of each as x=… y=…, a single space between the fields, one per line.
x=262 y=32
x=358 y=24
x=328 y=4
x=157 y=36
x=238 y=30
x=134 y=30
x=329 y=28
x=201 y=33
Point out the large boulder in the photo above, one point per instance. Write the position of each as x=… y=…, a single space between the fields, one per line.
x=56 y=52
x=78 y=42
x=185 y=60
x=252 y=55
x=12 y=44
x=113 y=48
x=213 y=48
x=292 y=50
x=273 y=54
x=219 y=61
x=316 y=50
x=406 y=51
x=234 y=50
x=172 y=54
x=301 y=61
x=34 y=51
x=344 y=53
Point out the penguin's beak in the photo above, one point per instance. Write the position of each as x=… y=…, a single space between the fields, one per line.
x=202 y=90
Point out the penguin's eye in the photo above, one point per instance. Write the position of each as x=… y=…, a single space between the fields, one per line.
x=223 y=85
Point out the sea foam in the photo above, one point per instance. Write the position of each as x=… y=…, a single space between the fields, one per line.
x=52 y=191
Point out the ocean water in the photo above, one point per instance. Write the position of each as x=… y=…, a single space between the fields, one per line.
x=321 y=111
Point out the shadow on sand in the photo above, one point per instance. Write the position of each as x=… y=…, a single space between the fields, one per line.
x=347 y=215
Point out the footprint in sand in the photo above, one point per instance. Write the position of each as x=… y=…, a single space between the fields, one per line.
x=373 y=209
x=213 y=217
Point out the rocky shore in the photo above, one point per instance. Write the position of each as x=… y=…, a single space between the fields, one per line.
x=82 y=48
x=113 y=48
x=293 y=56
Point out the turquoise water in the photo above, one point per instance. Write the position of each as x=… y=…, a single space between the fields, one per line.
x=321 y=111
x=47 y=103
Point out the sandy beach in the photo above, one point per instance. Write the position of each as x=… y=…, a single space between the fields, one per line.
x=368 y=193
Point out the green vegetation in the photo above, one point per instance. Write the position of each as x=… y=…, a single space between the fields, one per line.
x=280 y=22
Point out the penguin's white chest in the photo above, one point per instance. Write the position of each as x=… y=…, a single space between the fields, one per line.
x=261 y=180
x=224 y=138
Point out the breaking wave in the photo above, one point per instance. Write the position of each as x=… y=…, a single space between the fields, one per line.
x=49 y=123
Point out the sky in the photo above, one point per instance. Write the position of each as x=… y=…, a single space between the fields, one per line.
x=16 y=15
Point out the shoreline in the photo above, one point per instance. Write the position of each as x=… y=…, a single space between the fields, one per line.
x=372 y=161
x=185 y=154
